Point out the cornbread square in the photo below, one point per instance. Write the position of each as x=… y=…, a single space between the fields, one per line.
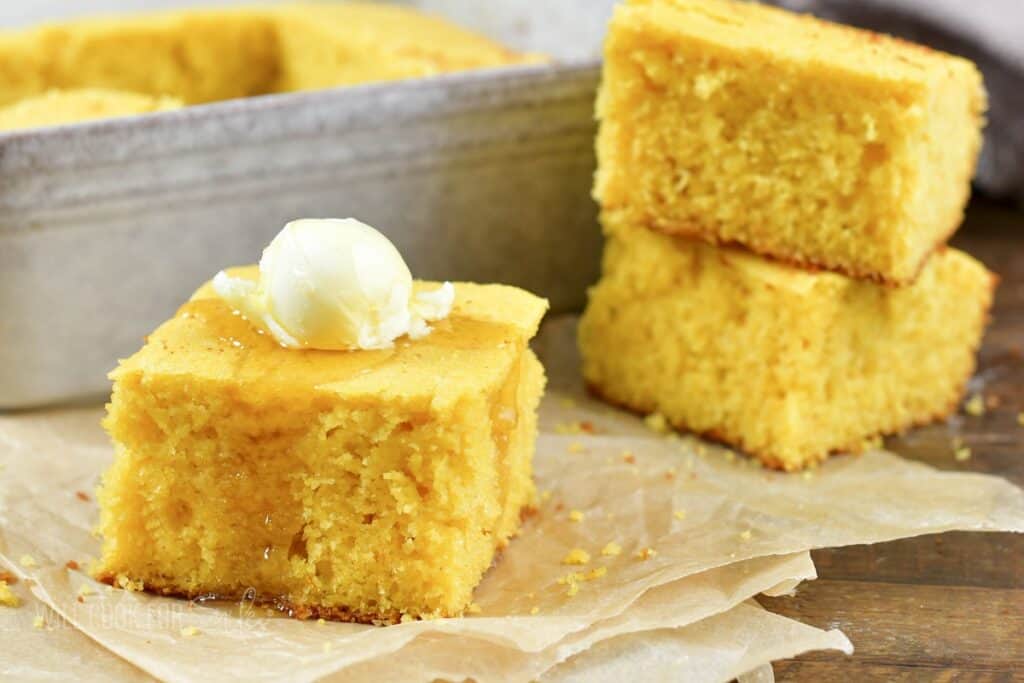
x=364 y=486
x=786 y=364
x=813 y=143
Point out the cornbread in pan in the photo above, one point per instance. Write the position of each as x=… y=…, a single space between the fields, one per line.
x=199 y=56
x=357 y=485
x=345 y=44
x=809 y=142
x=788 y=365
x=194 y=55
x=67 y=106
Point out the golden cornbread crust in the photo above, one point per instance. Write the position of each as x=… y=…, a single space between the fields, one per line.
x=367 y=486
x=812 y=143
x=785 y=364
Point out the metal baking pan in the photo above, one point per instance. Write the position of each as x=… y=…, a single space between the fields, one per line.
x=106 y=227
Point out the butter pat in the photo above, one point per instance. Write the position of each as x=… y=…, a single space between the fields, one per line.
x=334 y=284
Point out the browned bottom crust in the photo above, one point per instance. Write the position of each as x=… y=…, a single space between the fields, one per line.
x=279 y=603
x=300 y=611
x=772 y=461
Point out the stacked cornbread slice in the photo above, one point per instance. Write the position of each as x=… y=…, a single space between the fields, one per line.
x=777 y=192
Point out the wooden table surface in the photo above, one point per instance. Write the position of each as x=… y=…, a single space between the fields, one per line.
x=946 y=607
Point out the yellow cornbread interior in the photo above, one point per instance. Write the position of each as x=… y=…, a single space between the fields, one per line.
x=360 y=485
x=814 y=143
x=62 y=106
x=198 y=56
x=786 y=364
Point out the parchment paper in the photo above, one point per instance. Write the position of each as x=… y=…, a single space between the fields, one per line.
x=52 y=649
x=713 y=530
x=719 y=648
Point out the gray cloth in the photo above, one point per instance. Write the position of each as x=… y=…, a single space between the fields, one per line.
x=990 y=32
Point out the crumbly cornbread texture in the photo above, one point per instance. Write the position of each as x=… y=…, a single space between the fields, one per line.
x=67 y=106
x=198 y=56
x=363 y=486
x=810 y=142
x=786 y=364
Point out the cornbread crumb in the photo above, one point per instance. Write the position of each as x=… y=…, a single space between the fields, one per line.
x=72 y=565
x=962 y=454
x=122 y=581
x=189 y=631
x=38 y=623
x=576 y=556
x=575 y=447
x=84 y=590
x=569 y=428
x=7 y=596
x=807 y=475
x=611 y=549
x=575 y=427
x=321 y=622
x=628 y=457
x=534 y=610
x=746 y=535
x=1020 y=419
x=575 y=516
x=975 y=406
x=572 y=580
x=679 y=514
x=595 y=573
x=657 y=422
x=28 y=562
x=646 y=553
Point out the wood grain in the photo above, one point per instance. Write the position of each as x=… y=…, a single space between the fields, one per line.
x=949 y=607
